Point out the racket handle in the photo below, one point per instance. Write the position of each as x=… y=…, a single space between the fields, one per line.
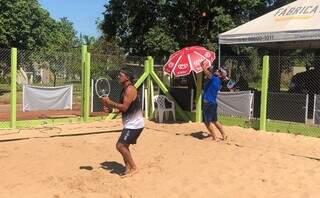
x=107 y=109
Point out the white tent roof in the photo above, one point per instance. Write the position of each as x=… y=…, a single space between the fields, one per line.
x=296 y=25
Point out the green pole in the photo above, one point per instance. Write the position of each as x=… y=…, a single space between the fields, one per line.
x=86 y=102
x=146 y=110
x=141 y=79
x=151 y=110
x=199 y=98
x=13 y=93
x=83 y=62
x=264 y=93
x=148 y=96
x=144 y=75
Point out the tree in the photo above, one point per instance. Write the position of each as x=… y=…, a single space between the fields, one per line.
x=129 y=21
x=88 y=40
x=26 y=25
x=186 y=22
x=158 y=43
x=269 y=5
x=106 y=45
x=63 y=37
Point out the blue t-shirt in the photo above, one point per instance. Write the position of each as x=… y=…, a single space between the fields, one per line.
x=211 y=89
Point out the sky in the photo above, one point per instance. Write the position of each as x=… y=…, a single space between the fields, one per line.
x=82 y=13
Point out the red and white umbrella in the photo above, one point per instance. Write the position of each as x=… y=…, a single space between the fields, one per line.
x=188 y=59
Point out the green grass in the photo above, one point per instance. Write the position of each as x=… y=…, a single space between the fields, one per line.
x=272 y=126
x=294 y=128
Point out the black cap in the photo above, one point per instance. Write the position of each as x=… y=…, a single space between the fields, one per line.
x=128 y=72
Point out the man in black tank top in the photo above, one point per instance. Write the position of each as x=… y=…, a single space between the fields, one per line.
x=132 y=118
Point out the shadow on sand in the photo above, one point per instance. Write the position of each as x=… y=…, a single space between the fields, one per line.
x=86 y=168
x=113 y=167
x=199 y=135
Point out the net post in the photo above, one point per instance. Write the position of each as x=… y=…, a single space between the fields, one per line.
x=264 y=93
x=13 y=93
x=84 y=50
x=86 y=90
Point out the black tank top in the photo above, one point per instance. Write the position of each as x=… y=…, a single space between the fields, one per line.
x=135 y=104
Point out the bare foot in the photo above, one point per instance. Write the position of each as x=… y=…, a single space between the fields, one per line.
x=130 y=173
x=215 y=139
x=224 y=138
x=127 y=171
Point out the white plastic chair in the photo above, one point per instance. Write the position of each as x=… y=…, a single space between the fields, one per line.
x=161 y=109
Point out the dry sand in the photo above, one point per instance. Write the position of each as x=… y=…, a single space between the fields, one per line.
x=174 y=161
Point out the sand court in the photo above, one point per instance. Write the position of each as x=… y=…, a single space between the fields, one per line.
x=174 y=160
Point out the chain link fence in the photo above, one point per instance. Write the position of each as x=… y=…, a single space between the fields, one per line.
x=45 y=71
x=292 y=91
x=293 y=85
x=246 y=74
x=5 y=79
x=293 y=97
x=48 y=71
x=108 y=66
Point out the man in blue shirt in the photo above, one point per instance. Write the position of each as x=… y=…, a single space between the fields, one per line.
x=210 y=92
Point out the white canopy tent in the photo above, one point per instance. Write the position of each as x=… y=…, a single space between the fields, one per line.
x=295 y=25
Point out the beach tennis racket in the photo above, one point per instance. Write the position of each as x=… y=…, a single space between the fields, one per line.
x=231 y=83
x=102 y=87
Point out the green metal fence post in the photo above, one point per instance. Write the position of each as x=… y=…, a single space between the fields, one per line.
x=149 y=92
x=84 y=50
x=199 y=98
x=13 y=94
x=264 y=93
x=86 y=109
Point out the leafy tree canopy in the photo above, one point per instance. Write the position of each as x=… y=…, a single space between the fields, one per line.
x=159 y=26
x=26 y=25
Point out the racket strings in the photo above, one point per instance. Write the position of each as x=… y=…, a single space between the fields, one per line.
x=103 y=87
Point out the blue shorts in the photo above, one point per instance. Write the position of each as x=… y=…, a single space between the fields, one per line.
x=129 y=136
x=209 y=112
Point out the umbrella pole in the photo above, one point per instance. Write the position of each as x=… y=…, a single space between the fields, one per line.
x=199 y=98
x=194 y=78
x=219 y=56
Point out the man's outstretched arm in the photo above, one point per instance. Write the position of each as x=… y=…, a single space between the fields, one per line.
x=204 y=65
